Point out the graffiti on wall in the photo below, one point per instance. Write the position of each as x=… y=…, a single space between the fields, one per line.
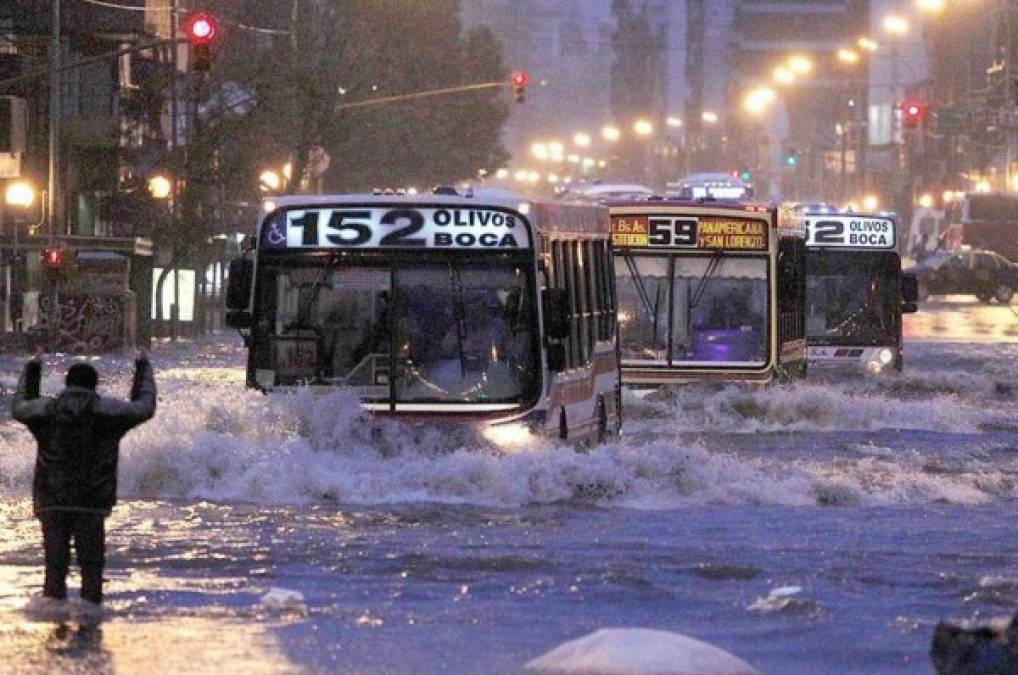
x=87 y=323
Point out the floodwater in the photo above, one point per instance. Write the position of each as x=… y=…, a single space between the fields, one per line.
x=889 y=502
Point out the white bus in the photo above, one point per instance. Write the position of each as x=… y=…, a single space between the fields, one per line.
x=708 y=291
x=493 y=312
x=855 y=291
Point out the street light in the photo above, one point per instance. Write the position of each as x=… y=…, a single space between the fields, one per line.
x=868 y=44
x=20 y=194
x=709 y=117
x=784 y=76
x=539 y=150
x=674 y=122
x=895 y=25
x=159 y=186
x=643 y=128
x=582 y=140
x=269 y=181
x=870 y=202
x=556 y=148
x=931 y=6
x=800 y=65
x=848 y=56
x=926 y=201
x=758 y=100
x=611 y=133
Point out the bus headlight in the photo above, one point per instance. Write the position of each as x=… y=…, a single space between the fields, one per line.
x=518 y=434
x=514 y=435
x=885 y=356
x=874 y=367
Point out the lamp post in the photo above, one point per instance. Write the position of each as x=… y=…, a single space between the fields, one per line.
x=20 y=195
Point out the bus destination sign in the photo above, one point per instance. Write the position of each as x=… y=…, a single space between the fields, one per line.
x=396 y=228
x=735 y=234
x=850 y=232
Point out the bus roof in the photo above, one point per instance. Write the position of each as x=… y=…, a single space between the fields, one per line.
x=502 y=199
x=728 y=205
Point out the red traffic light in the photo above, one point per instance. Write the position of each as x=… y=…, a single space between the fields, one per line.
x=53 y=258
x=201 y=28
x=519 y=78
x=518 y=81
x=912 y=113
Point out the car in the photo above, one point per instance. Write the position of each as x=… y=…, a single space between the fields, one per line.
x=985 y=274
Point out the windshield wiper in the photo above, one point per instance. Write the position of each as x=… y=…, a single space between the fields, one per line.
x=708 y=274
x=303 y=313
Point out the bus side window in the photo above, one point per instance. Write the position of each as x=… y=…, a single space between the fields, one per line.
x=586 y=300
x=599 y=290
x=575 y=355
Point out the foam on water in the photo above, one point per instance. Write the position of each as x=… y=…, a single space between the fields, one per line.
x=211 y=439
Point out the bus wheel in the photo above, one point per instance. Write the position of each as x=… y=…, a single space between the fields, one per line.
x=563 y=428
x=602 y=422
x=1004 y=293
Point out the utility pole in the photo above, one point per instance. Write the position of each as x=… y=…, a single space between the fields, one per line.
x=175 y=182
x=53 y=186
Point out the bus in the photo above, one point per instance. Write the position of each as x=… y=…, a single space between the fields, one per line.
x=856 y=292
x=489 y=312
x=990 y=222
x=708 y=291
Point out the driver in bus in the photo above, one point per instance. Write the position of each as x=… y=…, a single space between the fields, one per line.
x=483 y=332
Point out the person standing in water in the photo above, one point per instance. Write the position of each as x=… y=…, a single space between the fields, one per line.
x=75 y=486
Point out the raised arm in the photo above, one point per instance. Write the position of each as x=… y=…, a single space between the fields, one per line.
x=28 y=406
x=142 y=406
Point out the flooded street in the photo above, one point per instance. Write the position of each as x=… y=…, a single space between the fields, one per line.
x=887 y=501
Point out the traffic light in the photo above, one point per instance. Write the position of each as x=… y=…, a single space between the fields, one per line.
x=912 y=114
x=518 y=81
x=791 y=159
x=746 y=176
x=57 y=258
x=201 y=30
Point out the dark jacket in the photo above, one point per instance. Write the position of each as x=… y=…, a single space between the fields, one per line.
x=78 y=434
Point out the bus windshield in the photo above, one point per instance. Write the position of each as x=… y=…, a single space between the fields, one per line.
x=851 y=297
x=693 y=310
x=413 y=332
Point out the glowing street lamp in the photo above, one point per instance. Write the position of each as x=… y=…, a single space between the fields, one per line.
x=582 y=140
x=269 y=181
x=643 y=128
x=895 y=25
x=556 y=148
x=159 y=186
x=800 y=65
x=926 y=201
x=674 y=122
x=784 y=76
x=870 y=202
x=868 y=44
x=983 y=186
x=611 y=133
x=539 y=150
x=848 y=56
x=709 y=117
x=20 y=194
x=758 y=100
x=931 y=6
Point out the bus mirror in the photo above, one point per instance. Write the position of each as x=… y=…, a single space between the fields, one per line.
x=909 y=288
x=556 y=312
x=909 y=307
x=556 y=358
x=238 y=319
x=238 y=288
